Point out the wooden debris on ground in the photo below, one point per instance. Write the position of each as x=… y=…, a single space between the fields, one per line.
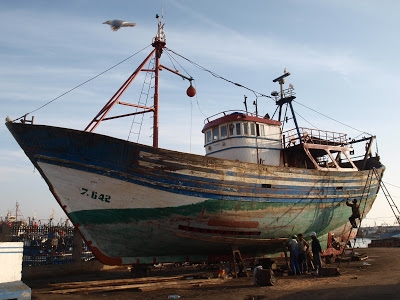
x=139 y=284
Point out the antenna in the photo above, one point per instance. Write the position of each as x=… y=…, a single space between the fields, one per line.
x=160 y=32
x=162 y=12
x=255 y=103
x=285 y=99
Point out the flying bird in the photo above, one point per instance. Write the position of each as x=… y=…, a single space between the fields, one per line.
x=117 y=24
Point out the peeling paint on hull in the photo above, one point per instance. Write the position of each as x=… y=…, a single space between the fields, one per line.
x=133 y=203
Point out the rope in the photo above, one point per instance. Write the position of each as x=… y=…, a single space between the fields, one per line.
x=219 y=76
x=171 y=58
x=332 y=118
x=79 y=85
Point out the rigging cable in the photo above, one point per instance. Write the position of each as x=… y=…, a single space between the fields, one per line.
x=263 y=95
x=332 y=118
x=191 y=115
x=194 y=81
x=219 y=76
x=172 y=59
x=396 y=186
x=197 y=101
x=297 y=114
x=79 y=85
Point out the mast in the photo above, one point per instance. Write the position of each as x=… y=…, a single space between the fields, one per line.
x=283 y=99
x=159 y=43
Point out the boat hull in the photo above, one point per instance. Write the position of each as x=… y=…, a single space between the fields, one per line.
x=138 y=204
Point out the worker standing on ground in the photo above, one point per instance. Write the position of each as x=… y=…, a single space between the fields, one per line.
x=294 y=255
x=355 y=212
x=316 y=251
x=309 y=260
x=303 y=248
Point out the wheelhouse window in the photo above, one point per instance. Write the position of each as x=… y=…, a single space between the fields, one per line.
x=215 y=134
x=234 y=129
x=260 y=130
x=238 y=131
x=231 y=127
x=245 y=128
x=224 y=132
x=252 y=129
x=208 y=137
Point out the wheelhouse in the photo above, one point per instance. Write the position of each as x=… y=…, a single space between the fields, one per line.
x=243 y=136
x=246 y=137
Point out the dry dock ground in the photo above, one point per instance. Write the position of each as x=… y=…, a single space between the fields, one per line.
x=376 y=276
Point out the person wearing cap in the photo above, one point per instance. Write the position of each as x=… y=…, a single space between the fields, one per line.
x=294 y=255
x=316 y=251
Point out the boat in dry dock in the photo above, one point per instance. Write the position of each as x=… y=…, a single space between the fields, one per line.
x=255 y=186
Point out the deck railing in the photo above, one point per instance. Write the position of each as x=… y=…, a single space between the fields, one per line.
x=314 y=136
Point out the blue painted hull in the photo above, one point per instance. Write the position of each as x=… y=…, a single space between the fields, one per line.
x=135 y=203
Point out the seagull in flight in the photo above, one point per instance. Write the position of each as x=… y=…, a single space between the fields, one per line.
x=117 y=24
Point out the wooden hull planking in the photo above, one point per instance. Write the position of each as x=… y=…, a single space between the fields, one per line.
x=138 y=204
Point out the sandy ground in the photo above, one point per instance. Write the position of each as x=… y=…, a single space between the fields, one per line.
x=379 y=275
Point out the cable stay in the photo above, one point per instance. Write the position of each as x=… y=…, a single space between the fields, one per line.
x=389 y=198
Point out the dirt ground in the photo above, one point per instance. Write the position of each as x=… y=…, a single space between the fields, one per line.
x=378 y=275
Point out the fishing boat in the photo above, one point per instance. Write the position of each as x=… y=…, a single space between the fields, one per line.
x=255 y=186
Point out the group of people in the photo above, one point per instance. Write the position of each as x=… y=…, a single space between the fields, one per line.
x=303 y=259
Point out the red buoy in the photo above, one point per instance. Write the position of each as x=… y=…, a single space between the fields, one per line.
x=191 y=91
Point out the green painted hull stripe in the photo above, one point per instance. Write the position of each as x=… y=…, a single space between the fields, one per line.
x=209 y=207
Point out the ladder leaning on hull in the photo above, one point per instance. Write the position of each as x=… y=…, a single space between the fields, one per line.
x=389 y=198
x=365 y=193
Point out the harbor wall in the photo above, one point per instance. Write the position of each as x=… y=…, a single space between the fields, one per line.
x=11 y=286
x=11 y=261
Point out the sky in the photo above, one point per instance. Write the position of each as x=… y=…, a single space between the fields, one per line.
x=60 y=64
